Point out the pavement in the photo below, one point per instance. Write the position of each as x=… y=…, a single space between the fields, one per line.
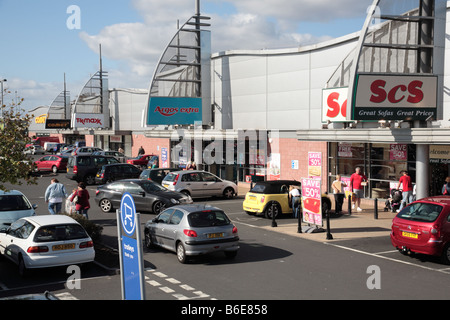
x=345 y=226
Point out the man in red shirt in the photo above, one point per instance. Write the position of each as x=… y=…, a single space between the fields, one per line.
x=356 y=181
x=407 y=192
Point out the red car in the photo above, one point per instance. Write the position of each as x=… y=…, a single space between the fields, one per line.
x=53 y=163
x=424 y=227
x=141 y=160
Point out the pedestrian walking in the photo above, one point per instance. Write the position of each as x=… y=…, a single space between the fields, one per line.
x=407 y=189
x=446 y=187
x=82 y=199
x=141 y=151
x=357 y=180
x=294 y=195
x=54 y=196
x=338 y=191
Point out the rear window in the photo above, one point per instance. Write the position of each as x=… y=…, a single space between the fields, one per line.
x=260 y=188
x=170 y=177
x=420 y=211
x=208 y=218
x=60 y=233
x=13 y=203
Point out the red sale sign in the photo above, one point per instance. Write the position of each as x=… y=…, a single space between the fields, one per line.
x=312 y=201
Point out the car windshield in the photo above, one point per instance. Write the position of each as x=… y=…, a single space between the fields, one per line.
x=151 y=187
x=208 y=218
x=60 y=233
x=13 y=203
x=420 y=211
x=170 y=177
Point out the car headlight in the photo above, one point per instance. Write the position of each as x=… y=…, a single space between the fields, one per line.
x=174 y=201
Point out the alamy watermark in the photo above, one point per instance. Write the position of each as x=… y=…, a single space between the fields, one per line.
x=374 y=280
x=73 y=22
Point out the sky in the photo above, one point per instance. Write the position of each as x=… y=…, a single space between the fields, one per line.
x=41 y=40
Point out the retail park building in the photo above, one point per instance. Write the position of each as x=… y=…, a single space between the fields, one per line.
x=378 y=99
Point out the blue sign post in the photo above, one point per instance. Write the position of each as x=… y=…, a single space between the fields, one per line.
x=130 y=248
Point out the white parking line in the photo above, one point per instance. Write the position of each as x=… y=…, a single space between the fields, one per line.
x=387 y=258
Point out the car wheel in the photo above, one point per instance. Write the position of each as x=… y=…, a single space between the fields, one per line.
x=228 y=193
x=158 y=206
x=186 y=193
x=181 y=253
x=272 y=209
x=90 y=179
x=446 y=254
x=105 y=205
x=54 y=169
x=148 y=239
x=23 y=271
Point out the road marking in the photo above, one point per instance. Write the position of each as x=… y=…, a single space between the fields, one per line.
x=167 y=289
x=154 y=283
x=387 y=258
x=173 y=281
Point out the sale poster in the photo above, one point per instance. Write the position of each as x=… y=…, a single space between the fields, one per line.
x=314 y=164
x=312 y=201
x=398 y=152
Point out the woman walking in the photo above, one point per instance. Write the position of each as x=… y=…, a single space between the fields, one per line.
x=82 y=202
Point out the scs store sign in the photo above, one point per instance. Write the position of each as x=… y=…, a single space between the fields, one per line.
x=334 y=104
x=392 y=97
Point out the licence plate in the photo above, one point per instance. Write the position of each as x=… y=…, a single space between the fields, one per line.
x=252 y=198
x=214 y=235
x=410 y=235
x=67 y=246
x=165 y=185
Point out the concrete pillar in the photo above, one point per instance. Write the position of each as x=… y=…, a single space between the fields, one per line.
x=422 y=170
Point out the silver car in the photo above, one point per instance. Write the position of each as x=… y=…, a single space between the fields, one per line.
x=197 y=184
x=191 y=230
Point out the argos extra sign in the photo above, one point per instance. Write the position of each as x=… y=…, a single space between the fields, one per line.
x=170 y=110
x=395 y=97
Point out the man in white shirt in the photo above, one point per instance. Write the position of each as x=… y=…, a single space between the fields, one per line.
x=294 y=195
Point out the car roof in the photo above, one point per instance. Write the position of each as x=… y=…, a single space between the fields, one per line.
x=11 y=192
x=444 y=200
x=272 y=182
x=195 y=207
x=51 y=219
x=118 y=164
x=189 y=171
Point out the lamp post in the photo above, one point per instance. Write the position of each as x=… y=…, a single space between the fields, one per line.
x=1 y=81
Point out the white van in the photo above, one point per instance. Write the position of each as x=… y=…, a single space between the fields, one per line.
x=49 y=146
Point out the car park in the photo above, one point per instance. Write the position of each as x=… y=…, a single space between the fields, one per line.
x=116 y=171
x=13 y=206
x=272 y=197
x=52 y=163
x=197 y=184
x=46 y=241
x=141 y=160
x=85 y=168
x=424 y=227
x=192 y=230
x=119 y=155
x=157 y=175
x=148 y=196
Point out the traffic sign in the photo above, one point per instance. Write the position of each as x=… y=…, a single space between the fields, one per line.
x=130 y=247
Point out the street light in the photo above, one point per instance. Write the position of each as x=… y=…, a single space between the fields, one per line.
x=1 y=81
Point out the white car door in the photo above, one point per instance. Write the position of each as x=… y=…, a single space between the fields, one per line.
x=212 y=185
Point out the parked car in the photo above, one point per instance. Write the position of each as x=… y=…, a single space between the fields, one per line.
x=191 y=230
x=50 y=146
x=116 y=171
x=13 y=206
x=85 y=168
x=148 y=195
x=272 y=197
x=198 y=183
x=33 y=149
x=424 y=227
x=46 y=241
x=52 y=163
x=157 y=175
x=141 y=160
x=117 y=154
x=85 y=151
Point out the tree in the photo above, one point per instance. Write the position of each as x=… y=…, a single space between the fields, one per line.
x=15 y=166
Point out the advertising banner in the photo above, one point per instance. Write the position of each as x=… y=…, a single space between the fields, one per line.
x=312 y=201
x=395 y=97
x=88 y=120
x=314 y=164
x=169 y=110
x=334 y=104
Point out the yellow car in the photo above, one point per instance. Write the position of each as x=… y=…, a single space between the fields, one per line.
x=272 y=197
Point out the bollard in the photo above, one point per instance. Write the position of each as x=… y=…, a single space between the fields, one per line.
x=375 y=210
x=349 y=204
x=299 y=216
x=329 y=236
x=274 y=223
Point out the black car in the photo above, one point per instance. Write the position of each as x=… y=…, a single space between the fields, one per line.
x=157 y=174
x=116 y=171
x=148 y=195
x=84 y=168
